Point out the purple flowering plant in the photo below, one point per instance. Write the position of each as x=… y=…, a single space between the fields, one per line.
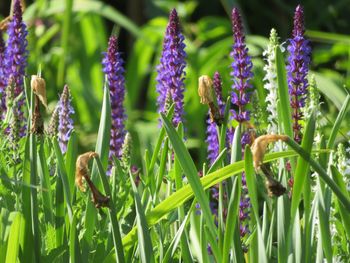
x=114 y=185
x=171 y=69
x=114 y=69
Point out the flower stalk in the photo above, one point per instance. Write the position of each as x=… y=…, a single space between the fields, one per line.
x=297 y=68
x=171 y=72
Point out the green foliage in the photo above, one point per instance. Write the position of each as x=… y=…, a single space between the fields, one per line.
x=161 y=211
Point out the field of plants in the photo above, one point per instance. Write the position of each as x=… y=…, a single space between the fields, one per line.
x=198 y=136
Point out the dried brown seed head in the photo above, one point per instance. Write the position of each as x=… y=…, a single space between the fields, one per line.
x=205 y=89
x=274 y=187
x=259 y=147
x=38 y=85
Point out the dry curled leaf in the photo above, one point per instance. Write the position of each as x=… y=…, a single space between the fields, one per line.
x=259 y=147
x=82 y=171
x=38 y=85
x=81 y=168
x=205 y=92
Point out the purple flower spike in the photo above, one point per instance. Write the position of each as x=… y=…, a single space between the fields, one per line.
x=241 y=69
x=212 y=141
x=16 y=58
x=65 y=124
x=171 y=69
x=113 y=68
x=217 y=85
x=2 y=78
x=298 y=67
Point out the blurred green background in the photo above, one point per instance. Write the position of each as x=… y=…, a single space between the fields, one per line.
x=68 y=37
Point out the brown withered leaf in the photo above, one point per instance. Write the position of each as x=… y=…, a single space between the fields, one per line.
x=38 y=85
x=205 y=89
x=81 y=168
x=259 y=147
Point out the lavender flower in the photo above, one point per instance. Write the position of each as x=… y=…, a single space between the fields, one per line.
x=217 y=85
x=171 y=69
x=113 y=68
x=241 y=70
x=298 y=64
x=65 y=124
x=16 y=58
x=2 y=78
x=212 y=141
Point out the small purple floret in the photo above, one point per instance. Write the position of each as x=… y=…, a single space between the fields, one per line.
x=65 y=123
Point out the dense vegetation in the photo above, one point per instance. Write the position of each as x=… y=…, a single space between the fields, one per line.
x=201 y=143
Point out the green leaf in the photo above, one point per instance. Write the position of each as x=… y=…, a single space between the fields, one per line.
x=111 y=213
x=330 y=89
x=26 y=206
x=63 y=175
x=14 y=238
x=190 y=171
x=302 y=169
x=144 y=238
x=338 y=122
x=186 y=192
x=33 y=181
x=232 y=218
x=71 y=157
x=102 y=148
x=66 y=30
x=345 y=214
x=323 y=221
x=86 y=6
x=74 y=250
x=252 y=192
x=283 y=94
x=175 y=241
x=44 y=175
